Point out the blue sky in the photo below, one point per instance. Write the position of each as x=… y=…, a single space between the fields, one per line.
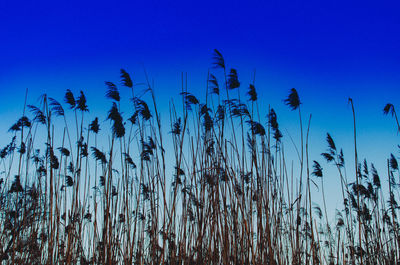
x=327 y=50
x=350 y=47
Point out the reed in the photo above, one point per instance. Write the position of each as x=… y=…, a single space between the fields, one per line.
x=215 y=187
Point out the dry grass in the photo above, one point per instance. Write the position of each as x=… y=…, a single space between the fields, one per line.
x=232 y=197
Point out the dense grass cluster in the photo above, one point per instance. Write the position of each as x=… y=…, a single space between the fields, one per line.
x=217 y=191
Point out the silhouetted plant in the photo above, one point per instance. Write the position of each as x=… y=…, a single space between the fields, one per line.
x=112 y=92
x=81 y=102
x=64 y=151
x=389 y=108
x=38 y=114
x=142 y=108
x=256 y=128
x=219 y=61
x=70 y=99
x=215 y=194
x=126 y=79
x=293 y=100
x=252 y=93
x=56 y=107
x=273 y=122
x=94 y=126
x=98 y=155
x=233 y=81
x=214 y=86
x=118 y=126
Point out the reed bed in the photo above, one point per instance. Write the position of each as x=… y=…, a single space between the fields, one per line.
x=212 y=187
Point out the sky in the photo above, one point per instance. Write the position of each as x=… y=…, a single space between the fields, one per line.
x=327 y=50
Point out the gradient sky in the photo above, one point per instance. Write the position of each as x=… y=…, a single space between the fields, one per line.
x=327 y=50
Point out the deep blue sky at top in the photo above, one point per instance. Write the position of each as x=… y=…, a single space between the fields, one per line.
x=328 y=50
x=344 y=43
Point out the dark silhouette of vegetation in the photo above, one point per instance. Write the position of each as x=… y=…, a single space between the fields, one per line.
x=219 y=192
